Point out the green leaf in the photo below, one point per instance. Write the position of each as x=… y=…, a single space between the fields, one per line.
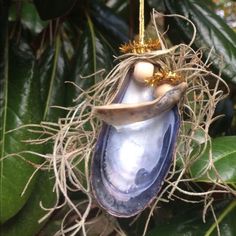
x=3 y=59
x=50 y=9
x=157 y=4
x=21 y=106
x=117 y=30
x=224 y=159
x=119 y=6
x=53 y=69
x=28 y=16
x=3 y=85
x=94 y=53
x=129 y=12
x=187 y=221
x=222 y=125
x=212 y=32
x=26 y=221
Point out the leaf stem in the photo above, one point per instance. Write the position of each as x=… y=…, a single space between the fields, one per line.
x=91 y=28
x=230 y=207
x=53 y=75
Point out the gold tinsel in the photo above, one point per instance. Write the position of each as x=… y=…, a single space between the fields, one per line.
x=137 y=47
x=164 y=76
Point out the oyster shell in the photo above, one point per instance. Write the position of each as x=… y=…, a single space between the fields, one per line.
x=131 y=160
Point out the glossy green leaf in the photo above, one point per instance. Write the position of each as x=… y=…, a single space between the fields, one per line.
x=157 y=4
x=50 y=9
x=53 y=69
x=26 y=221
x=3 y=84
x=28 y=16
x=222 y=125
x=117 y=30
x=21 y=106
x=212 y=32
x=129 y=12
x=224 y=159
x=94 y=53
x=187 y=221
x=119 y=6
x=71 y=39
x=134 y=227
x=3 y=59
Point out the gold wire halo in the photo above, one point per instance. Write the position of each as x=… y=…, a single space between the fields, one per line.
x=137 y=47
x=164 y=76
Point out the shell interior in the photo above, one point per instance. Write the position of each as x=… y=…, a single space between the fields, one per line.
x=131 y=161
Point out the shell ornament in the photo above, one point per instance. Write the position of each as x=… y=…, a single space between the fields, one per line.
x=135 y=147
x=118 y=143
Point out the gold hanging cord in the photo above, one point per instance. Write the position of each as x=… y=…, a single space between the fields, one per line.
x=140 y=46
x=141 y=22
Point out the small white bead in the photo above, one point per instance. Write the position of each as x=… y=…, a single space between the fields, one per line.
x=162 y=89
x=142 y=71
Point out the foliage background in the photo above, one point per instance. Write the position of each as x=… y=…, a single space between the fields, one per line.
x=45 y=43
